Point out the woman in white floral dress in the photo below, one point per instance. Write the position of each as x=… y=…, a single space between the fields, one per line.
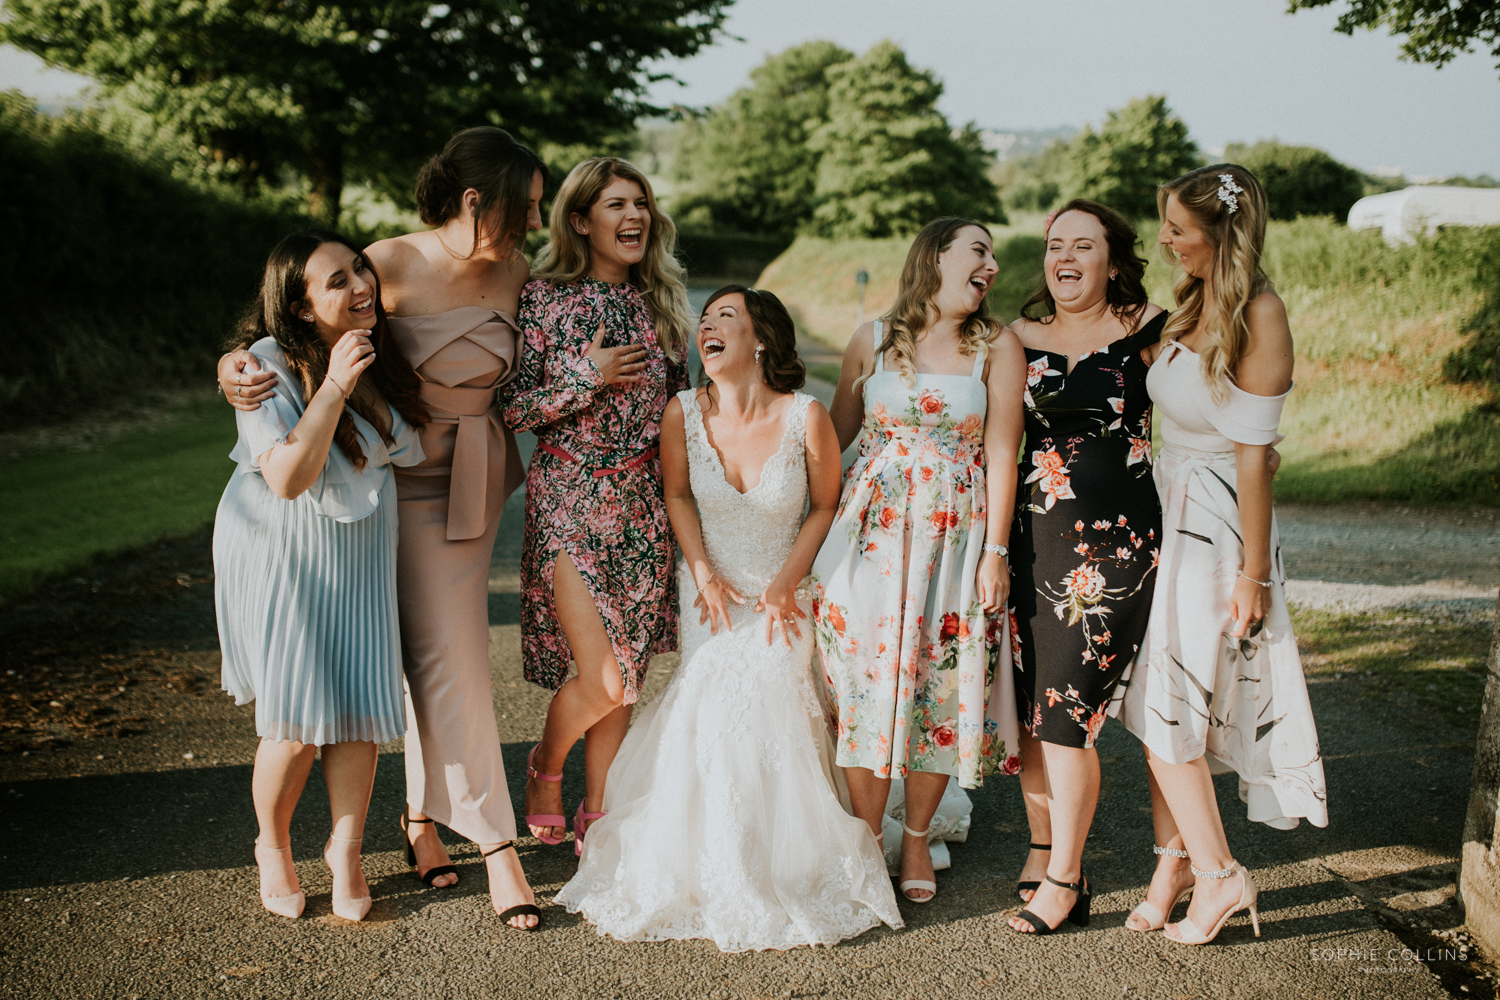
x=907 y=620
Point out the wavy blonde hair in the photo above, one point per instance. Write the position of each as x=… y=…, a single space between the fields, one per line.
x=566 y=256
x=1238 y=239
x=920 y=281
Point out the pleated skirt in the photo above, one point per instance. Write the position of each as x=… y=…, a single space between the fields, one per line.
x=307 y=615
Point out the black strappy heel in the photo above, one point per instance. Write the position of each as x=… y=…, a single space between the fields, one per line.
x=523 y=910
x=411 y=853
x=1078 y=915
x=1028 y=885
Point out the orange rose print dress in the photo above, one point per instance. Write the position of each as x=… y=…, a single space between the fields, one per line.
x=917 y=678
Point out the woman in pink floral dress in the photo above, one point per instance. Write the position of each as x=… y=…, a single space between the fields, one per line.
x=909 y=593
x=606 y=328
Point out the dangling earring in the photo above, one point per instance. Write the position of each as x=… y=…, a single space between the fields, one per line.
x=758 y=349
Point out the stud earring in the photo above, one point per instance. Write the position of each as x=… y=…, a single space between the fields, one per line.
x=307 y=317
x=758 y=349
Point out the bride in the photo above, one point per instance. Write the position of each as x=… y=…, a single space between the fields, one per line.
x=721 y=820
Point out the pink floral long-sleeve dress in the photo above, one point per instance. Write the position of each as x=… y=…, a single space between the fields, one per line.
x=917 y=675
x=594 y=487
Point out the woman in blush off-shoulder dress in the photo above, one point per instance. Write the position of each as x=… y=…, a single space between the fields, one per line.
x=606 y=331
x=305 y=553
x=723 y=820
x=451 y=293
x=913 y=577
x=1218 y=684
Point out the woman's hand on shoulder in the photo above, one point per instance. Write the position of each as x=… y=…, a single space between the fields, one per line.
x=243 y=381
x=1265 y=367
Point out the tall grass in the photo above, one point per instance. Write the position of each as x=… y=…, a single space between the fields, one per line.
x=1395 y=346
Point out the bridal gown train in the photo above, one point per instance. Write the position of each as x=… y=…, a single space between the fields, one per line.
x=723 y=822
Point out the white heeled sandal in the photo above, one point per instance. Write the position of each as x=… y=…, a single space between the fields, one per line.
x=918 y=883
x=1188 y=932
x=1148 y=911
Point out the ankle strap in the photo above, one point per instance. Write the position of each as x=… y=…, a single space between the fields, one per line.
x=1070 y=886
x=1234 y=866
x=407 y=817
x=1170 y=852
x=262 y=847
x=916 y=833
x=1040 y=847
x=346 y=840
x=497 y=850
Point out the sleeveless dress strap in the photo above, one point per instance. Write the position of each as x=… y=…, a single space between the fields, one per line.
x=879 y=360
x=979 y=357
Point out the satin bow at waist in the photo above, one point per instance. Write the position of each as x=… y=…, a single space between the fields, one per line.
x=474 y=410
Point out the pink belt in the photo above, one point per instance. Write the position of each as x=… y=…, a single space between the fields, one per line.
x=638 y=460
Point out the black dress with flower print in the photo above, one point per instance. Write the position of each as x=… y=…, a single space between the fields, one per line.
x=1085 y=541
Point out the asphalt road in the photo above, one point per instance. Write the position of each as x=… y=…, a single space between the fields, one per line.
x=126 y=867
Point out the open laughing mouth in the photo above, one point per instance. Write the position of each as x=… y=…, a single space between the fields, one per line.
x=980 y=283
x=1068 y=274
x=363 y=308
x=711 y=348
x=630 y=238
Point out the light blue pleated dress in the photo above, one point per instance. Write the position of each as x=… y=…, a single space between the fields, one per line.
x=305 y=589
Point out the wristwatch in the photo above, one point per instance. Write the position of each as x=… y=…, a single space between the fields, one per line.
x=999 y=550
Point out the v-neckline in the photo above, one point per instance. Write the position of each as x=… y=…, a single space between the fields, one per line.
x=719 y=459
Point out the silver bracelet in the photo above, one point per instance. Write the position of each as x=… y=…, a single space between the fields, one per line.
x=999 y=550
x=1258 y=583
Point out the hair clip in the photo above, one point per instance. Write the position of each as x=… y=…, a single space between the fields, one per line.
x=1228 y=191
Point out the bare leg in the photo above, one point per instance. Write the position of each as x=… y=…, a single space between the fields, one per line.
x=594 y=697
x=1038 y=813
x=924 y=791
x=281 y=770
x=1188 y=790
x=868 y=795
x=1172 y=875
x=349 y=772
x=1072 y=794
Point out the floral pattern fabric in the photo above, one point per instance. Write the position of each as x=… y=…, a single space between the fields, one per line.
x=1087 y=535
x=594 y=486
x=908 y=654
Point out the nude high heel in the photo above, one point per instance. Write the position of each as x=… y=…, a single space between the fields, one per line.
x=1147 y=911
x=1188 y=932
x=283 y=906
x=348 y=907
x=918 y=883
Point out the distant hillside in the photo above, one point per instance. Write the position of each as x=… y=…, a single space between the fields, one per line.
x=1008 y=144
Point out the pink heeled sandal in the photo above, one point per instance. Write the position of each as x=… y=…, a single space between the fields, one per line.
x=581 y=821
x=543 y=819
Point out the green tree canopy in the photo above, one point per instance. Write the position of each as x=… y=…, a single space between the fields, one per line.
x=1137 y=148
x=746 y=165
x=1300 y=180
x=889 y=162
x=363 y=91
x=1435 y=30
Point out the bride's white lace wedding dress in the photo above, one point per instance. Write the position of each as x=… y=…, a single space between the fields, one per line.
x=723 y=822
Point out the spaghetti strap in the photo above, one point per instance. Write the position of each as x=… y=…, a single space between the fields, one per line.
x=879 y=366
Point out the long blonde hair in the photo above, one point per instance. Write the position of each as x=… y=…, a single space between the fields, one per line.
x=920 y=281
x=566 y=256
x=1238 y=237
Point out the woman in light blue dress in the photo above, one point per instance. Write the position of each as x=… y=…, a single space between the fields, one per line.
x=305 y=552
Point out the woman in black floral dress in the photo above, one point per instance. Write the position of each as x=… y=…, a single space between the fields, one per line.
x=1086 y=536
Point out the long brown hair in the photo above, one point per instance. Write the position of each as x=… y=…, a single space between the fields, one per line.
x=1126 y=292
x=494 y=164
x=389 y=379
x=565 y=257
x=920 y=281
x=1238 y=238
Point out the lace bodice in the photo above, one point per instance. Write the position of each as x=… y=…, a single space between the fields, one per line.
x=749 y=535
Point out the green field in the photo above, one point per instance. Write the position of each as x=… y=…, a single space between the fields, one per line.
x=60 y=510
x=1395 y=399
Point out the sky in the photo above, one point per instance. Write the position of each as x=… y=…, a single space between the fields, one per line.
x=1234 y=70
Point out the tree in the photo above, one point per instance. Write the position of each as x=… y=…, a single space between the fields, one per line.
x=889 y=161
x=1138 y=147
x=364 y=91
x=1435 y=30
x=1300 y=180
x=747 y=165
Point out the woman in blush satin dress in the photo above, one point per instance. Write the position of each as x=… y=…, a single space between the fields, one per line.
x=451 y=294
x=606 y=328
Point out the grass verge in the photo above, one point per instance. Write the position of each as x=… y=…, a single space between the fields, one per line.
x=60 y=510
x=1430 y=660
